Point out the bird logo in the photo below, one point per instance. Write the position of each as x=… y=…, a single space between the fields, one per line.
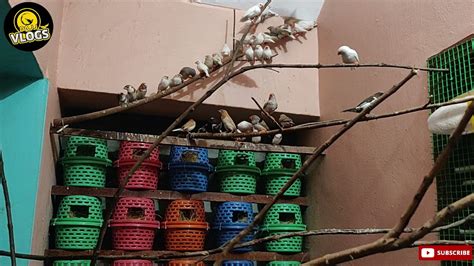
x=27 y=19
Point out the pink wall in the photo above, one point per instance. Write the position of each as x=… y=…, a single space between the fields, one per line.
x=370 y=175
x=140 y=41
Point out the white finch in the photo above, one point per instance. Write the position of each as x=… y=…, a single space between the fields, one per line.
x=187 y=127
x=176 y=80
x=365 y=103
x=217 y=58
x=202 y=68
x=249 y=53
x=258 y=52
x=208 y=61
x=277 y=139
x=245 y=127
x=252 y=12
x=271 y=105
x=256 y=139
x=227 y=121
x=225 y=50
x=164 y=84
x=267 y=53
x=348 y=55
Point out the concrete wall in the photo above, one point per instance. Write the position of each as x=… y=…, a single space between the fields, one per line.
x=370 y=175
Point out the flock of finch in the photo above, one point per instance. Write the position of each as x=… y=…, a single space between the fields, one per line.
x=253 y=51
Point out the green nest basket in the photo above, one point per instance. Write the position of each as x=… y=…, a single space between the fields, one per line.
x=276 y=179
x=78 y=222
x=284 y=263
x=88 y=147
x=72 y=263
x=283 y=214
x=234 y=158
x=238 y=179
x=282 y=161
x=84 y=173
x=290 y=244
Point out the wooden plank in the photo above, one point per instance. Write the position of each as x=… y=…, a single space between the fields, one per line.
x=205 y=143
x=113 y=254
x=172 y=195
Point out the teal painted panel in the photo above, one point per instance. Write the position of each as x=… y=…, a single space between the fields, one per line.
x=22 y=122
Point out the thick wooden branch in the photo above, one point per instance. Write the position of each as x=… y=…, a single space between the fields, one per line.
x=329 y=123
x=314 y=156
x=8 y=208
x=267 y=114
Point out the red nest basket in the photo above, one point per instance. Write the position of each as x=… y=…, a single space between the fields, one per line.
x=131 y=151
x=189 y=211
x=133 y=263
x=184 y=263
x=133 y=209
x=182 y=236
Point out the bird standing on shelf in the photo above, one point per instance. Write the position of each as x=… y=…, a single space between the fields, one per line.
x=164 y=84
x=141 y=92
x=285 y=121
x=176 y=80
x=252 y=12
x=267 y=53
x=227 y=121
x=208 y=61
x=217 y=58
x=245 y=127
x=271 y=105
x=187 y=72
x=202 y=68
x=365 y=103
x=123 y=99
x=348 y=55
x=187 y=127
x=277 y=139
x=256 y=139
x=225 y=50
x=131 y=93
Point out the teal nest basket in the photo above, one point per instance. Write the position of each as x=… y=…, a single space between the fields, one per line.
x=72 y=263
x=282 y=214
x=238 y=179
x=88 y=147
x=284 y=263
x=282 y=161
x=77 y=223
x=234 y=158
x=290 y=244
x=276 y=179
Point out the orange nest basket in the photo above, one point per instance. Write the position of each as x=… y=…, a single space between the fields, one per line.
x=185 y=263
x=186 y=211
x=181 y=236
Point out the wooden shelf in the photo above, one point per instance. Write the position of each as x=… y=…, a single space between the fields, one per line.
x=255 y=255
x=172 y=195
x=205 y=143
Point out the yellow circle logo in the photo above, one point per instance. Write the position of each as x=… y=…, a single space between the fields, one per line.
x=27 y=19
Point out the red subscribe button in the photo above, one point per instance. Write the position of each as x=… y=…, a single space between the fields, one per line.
x=448 y=252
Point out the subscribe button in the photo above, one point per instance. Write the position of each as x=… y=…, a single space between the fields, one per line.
x=449 y=252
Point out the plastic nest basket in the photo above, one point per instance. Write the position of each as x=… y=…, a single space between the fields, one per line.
x=133 y=263
x=180 y=154
x=225 y=235
x=185 y=263
x=284 y=263
x=86 y=148
x=232 y=214
x=238 y=179
x=237 y=263
x=72 y=263
x=234 y=158
x=276 y=180
x=282 y=161
x=283 y=214
x=286 y=245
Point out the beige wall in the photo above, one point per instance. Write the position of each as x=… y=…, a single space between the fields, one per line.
x=369 y=176
x=129 y=42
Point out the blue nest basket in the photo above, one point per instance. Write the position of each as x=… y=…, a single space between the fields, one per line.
x=232 y=214
x=189 y=169
x=225 y=235
x=237 y=263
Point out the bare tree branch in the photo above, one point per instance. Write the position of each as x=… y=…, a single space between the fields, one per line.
x=314 y=156
x=267 y=114
x=8 y=208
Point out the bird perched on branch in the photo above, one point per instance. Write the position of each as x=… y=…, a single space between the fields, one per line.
x=285 y=121
x=249 y=53
x=123 y=99
x=187 y=72
x=271 y=105
x=213 y=125
x=225 y=50
x=256 y=139
x=164 y=84
x=267 y=13
x=202 y=68
x=267 y=53
x=209 y=62
x=217 y=58
x=258 y=52
x=365 y=103
x=131 y=93
x=348 y=55
x=258 y=124
x=176 y=80
x=187 y=127
x=277 y=139
x=141 y=92
x=281 y=32
x=252 y=12
x=227 y=121
x=245 y=127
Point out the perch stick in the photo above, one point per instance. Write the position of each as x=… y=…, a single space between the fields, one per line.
x=8 y=208
x=314 y=156
x=329 y=123
x=267 y=114
x=113 y=110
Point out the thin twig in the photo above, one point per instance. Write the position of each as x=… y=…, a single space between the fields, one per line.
x=329 y=123
x=267 y=114
x=314 y=156
x=390 y=241
x=8 y=208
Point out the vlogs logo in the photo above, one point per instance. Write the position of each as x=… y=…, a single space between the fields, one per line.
x=28 y=26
